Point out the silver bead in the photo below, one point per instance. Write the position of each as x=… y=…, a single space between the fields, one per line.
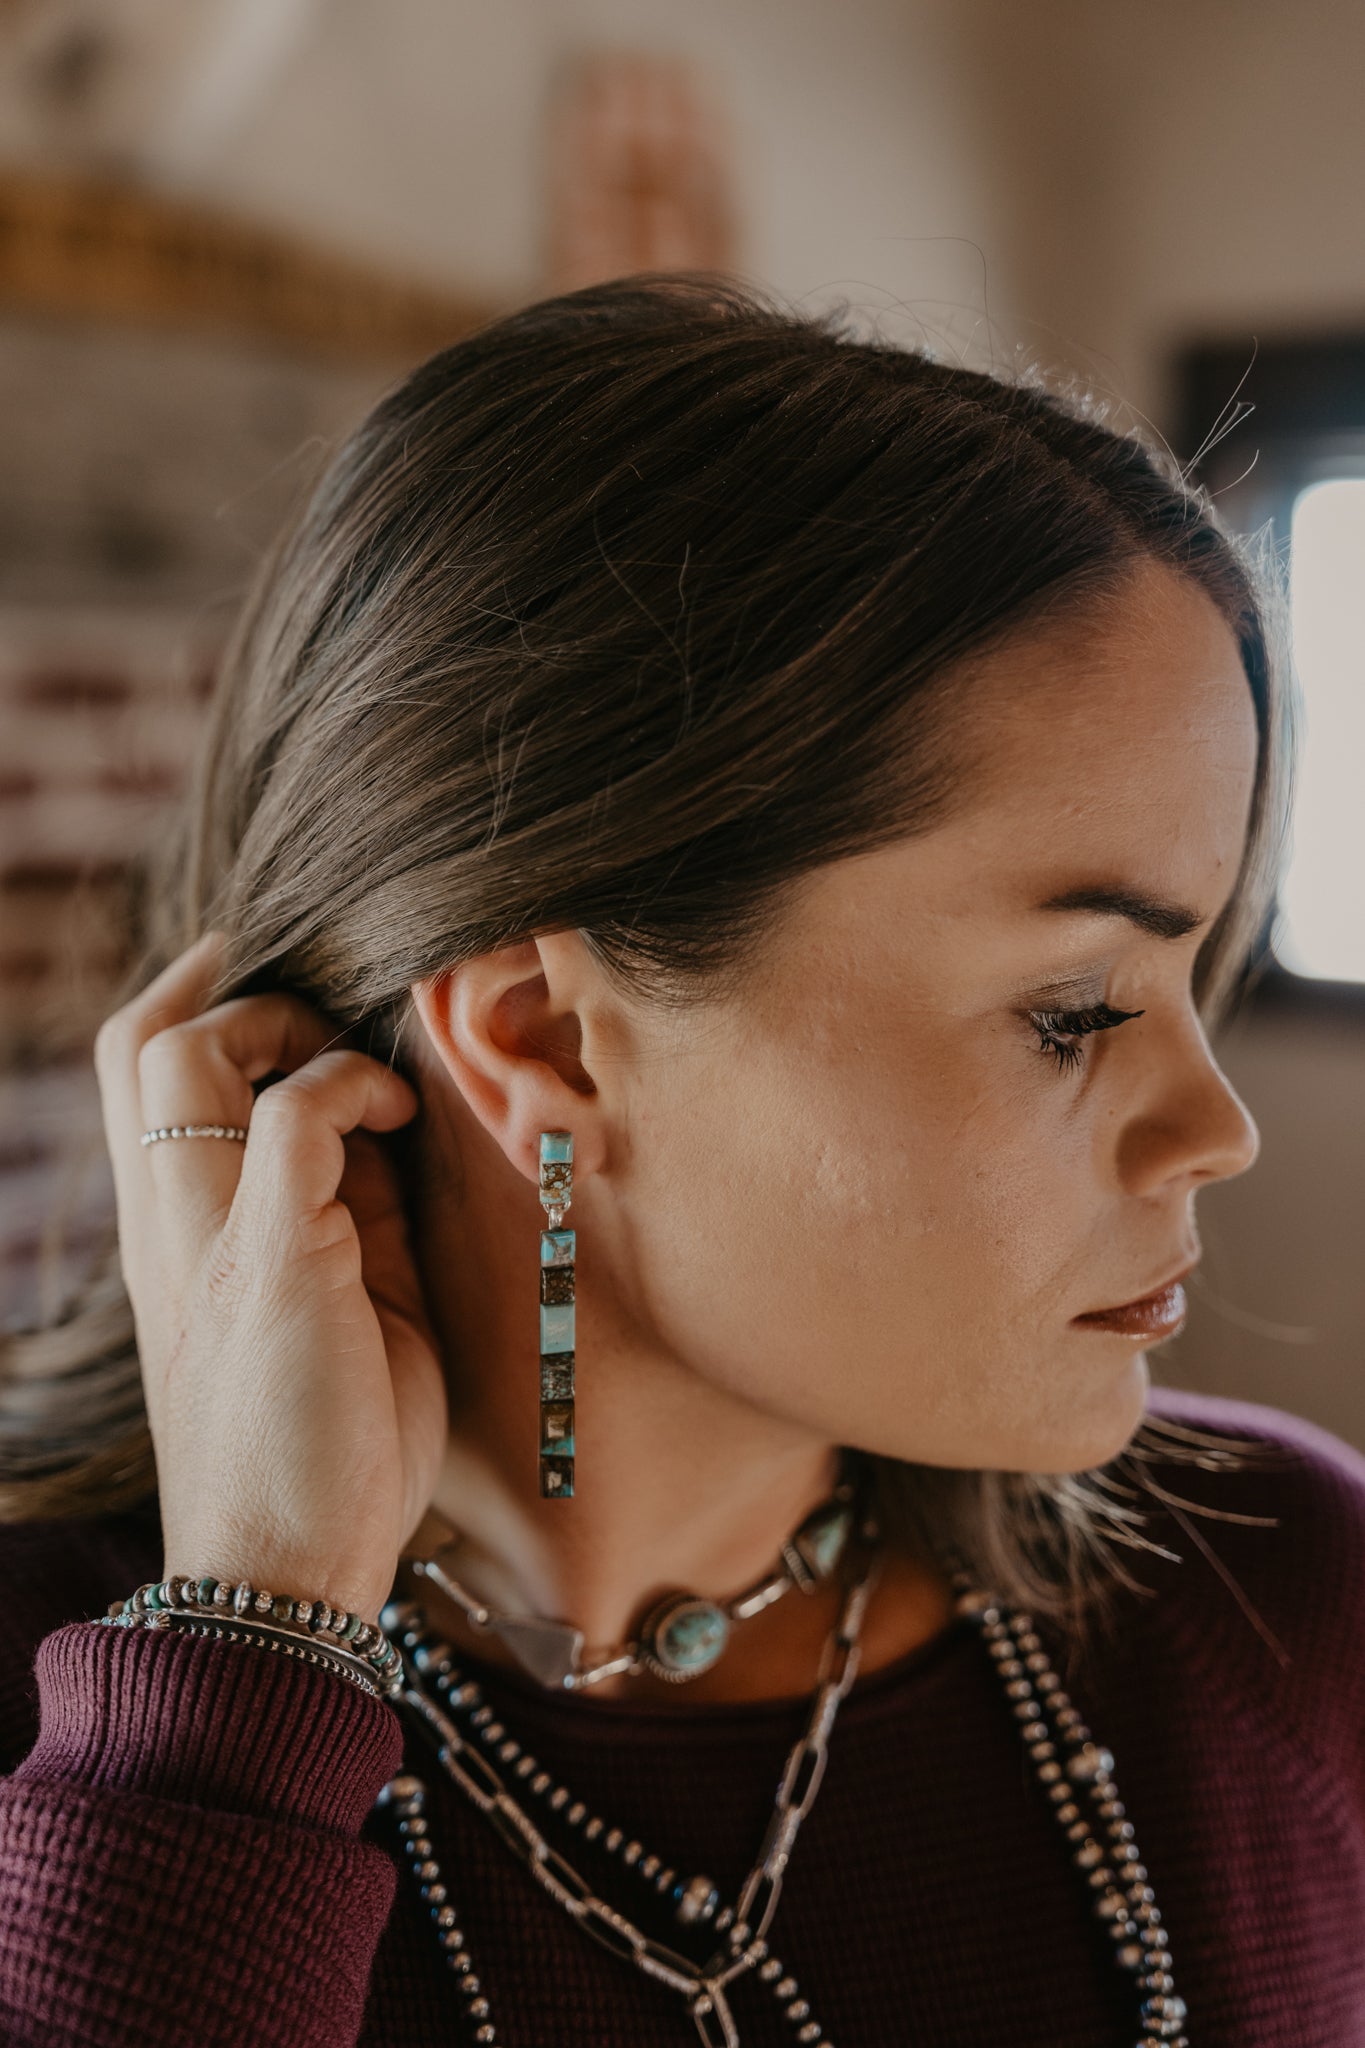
x=401 y=1788
x=798 y=2009
x=770 y=1971
x=698 y=1902
x=785 y=1989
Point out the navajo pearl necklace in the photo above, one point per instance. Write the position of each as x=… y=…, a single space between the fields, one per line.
x=1104 y=1847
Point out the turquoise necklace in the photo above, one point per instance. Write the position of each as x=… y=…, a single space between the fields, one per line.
x=681 y=1636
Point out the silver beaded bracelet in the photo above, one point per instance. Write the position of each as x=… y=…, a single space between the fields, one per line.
x=331 y=1636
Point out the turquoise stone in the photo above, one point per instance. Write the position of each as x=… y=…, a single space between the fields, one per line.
x=555 y=1145
x=556 y=1327
x=152 y=1597
x=206 y=1587
x=557 y=1247
x=821 y=1538
x=690 y=1635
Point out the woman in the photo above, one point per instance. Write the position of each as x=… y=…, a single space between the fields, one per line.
x=773 y=816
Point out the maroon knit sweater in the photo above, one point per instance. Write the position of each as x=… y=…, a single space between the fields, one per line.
x=188 y=1851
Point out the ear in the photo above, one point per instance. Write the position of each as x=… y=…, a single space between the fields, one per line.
x=508 y=1028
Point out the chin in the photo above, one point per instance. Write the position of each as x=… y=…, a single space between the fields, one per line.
x=1102 y=1418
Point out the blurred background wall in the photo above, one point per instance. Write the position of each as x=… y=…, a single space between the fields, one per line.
x=225 y=228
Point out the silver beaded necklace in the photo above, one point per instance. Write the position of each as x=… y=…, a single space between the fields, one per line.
x=470 y=1734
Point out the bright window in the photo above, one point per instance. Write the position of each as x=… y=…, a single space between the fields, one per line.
x=1321 y=929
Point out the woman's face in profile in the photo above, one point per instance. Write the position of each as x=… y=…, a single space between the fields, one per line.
x=864 y=1197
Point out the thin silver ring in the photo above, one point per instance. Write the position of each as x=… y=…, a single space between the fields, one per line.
x=237 y=1131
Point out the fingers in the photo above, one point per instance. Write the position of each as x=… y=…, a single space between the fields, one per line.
x=295 y=1155
x=165 y=1059
x=200 y=1072
x=179 y=991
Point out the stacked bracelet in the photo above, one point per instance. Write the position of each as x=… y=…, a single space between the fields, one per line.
x=331 y=1636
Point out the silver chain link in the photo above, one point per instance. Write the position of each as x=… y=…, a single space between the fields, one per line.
x=703 y=1985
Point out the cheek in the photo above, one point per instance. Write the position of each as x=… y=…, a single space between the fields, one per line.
x=808 y=1209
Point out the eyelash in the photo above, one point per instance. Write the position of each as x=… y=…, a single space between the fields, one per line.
x=1053 y=1026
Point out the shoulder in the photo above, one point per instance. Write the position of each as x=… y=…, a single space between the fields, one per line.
x=1267 y=1576
x=57 y=1571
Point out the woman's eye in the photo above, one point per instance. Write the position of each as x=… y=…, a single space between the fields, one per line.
x=1056 y=1028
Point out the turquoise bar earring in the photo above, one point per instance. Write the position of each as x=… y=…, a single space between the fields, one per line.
x=556 y=1318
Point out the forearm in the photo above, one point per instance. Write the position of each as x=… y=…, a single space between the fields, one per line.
x=180 y=1852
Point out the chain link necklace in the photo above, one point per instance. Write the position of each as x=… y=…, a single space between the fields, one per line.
x=1104 y=1849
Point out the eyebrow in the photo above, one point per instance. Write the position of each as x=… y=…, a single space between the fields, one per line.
x=1152 y=914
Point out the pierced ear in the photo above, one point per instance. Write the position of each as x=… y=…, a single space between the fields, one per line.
x=512 y=1052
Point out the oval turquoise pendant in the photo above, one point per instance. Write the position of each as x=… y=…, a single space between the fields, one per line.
x=684 y=1636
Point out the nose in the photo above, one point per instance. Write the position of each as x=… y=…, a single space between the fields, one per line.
x=1199 y=1127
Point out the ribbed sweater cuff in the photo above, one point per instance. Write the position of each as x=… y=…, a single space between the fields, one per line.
x=222 y=1725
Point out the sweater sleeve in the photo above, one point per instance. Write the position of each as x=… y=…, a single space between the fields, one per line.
x=181 y=1858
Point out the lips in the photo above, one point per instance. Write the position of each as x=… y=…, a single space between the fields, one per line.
x=1158 y=1314
x=1140 y=1300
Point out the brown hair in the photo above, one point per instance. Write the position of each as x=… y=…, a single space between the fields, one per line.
x=618 y=616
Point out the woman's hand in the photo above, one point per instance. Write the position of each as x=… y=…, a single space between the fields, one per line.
x=294 y=1391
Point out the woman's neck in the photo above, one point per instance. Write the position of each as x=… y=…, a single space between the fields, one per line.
x=680 y=1485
